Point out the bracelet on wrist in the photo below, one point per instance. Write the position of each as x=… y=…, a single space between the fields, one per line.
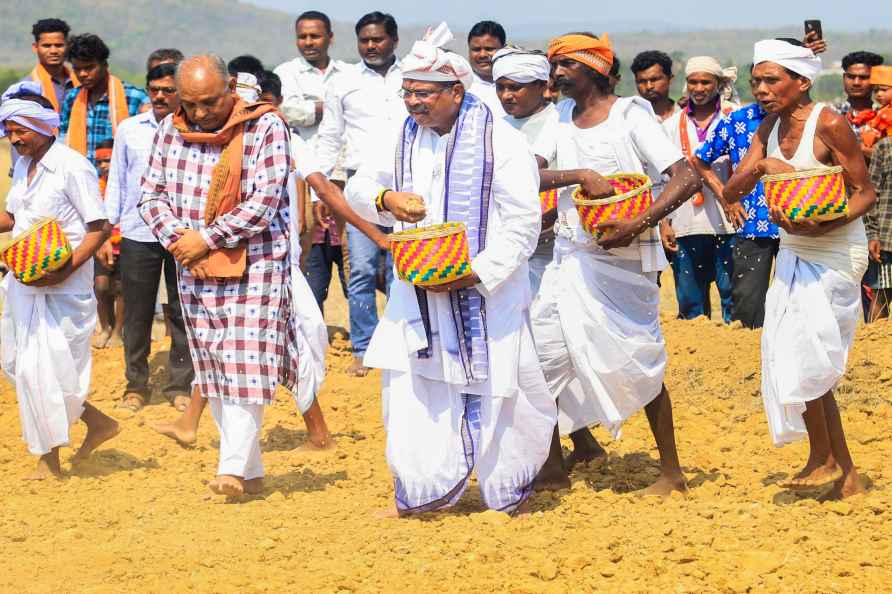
x=379 y=200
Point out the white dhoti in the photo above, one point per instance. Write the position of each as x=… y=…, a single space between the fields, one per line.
x=240 y=427
x=811 y=314
x=436 y=436
x=45 y=344
x=596 y=320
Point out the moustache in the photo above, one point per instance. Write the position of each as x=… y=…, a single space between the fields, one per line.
x=419 y=110
x=563 y=83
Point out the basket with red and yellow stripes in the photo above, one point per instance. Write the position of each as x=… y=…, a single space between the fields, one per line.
x=431 y=256
x=40 y=250
x=813 y=194
x=634 y=195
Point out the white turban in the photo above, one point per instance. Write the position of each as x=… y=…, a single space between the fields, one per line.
x=246 y=87
x=799 y=59
x=30 y=114
x=711 y=66
x=25 y=87
x=429 y=62
x=520 y=65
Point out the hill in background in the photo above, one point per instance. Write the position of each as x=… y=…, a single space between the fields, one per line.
x=134 y=28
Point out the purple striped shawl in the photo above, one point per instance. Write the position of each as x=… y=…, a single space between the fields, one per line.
x=469 y=171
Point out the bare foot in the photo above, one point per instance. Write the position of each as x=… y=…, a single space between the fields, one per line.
x=664 y=486
x=254 y=486
x=181 y=402
x=523 y=509
x=357 y=369
x=589 y=459
x=846 y=486
x=47 y=467
x=174 y=430
x=228 y=485
x=114 y=340
x=552 y=477
x=586 y=450
x=100 y=341
x=387 y=513
x=319 y=443
x=814 y=476
x=97 y=434
x=132 y=401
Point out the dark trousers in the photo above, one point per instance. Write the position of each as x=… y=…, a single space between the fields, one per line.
x=322 y=257
x=141 y=265
x=753 y=259
x=700 y=261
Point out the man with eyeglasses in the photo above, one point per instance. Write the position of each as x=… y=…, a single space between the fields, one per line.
x=463 y=390
x=142 y=255
x=362 y=104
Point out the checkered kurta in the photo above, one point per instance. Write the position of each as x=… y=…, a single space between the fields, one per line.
x=241 y=334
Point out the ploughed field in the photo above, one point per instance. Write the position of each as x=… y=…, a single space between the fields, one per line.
x=139 y=515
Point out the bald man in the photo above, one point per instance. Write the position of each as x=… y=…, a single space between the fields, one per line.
x=214 y=196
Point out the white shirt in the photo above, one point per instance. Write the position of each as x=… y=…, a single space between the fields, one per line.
x=512 y=232
x=486 y=92
x=629 y=140
x=303 y=86
x=709 y=218
x=362 y=108
x=65 y=188
x=540 y=130
x=130 y=158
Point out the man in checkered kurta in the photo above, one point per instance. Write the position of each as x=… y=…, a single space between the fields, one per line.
x=240 y=331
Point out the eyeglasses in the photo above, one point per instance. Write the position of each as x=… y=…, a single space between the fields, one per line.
x=165 y=90
x=421 y=94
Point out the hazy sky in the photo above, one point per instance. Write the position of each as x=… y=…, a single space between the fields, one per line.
x=687 y=14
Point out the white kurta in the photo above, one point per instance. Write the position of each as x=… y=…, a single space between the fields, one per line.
x=440 y=427
x=596 y=318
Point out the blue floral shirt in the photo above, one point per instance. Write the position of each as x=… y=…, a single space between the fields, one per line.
x=732 y=137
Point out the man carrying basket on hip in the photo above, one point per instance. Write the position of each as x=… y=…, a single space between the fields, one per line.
x=50 y=311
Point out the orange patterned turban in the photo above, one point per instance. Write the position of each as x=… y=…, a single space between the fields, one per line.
x=594 y=53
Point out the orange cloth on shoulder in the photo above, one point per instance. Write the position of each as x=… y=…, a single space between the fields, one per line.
x=40 y=74
x=77 y=123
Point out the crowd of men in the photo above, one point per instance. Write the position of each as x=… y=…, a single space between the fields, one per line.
x=206 y=176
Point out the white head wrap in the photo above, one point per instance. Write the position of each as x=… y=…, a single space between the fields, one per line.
x=246 y=87
x=27 y=86
x=800 y=60
x=429 y=62
x=520 y=65
x=27 y=113
x=727 y=76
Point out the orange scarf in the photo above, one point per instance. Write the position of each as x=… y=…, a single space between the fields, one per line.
x=877 y=128
x=225 y=192
x=594 y=53
x=39 y=74
x=77 y=123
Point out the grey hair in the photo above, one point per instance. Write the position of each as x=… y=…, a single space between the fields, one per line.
x=212 y=59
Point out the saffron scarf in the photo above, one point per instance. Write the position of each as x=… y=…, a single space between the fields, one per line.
x=468 y=190
x=117 y=112
x=40 y=75
x=225 y=192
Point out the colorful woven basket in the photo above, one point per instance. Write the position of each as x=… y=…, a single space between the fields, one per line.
x=548 y=200
x=431 y=256
x=814 y=194
x=42 y=249
x=634 y=195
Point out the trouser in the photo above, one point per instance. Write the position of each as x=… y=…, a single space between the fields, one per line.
x=364 y=264
x=753 y=259
x=141 y=266
x=240 y=426
x=322 y=257
x=699 y=261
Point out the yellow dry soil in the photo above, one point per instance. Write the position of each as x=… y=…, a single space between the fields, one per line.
x=139 y=516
